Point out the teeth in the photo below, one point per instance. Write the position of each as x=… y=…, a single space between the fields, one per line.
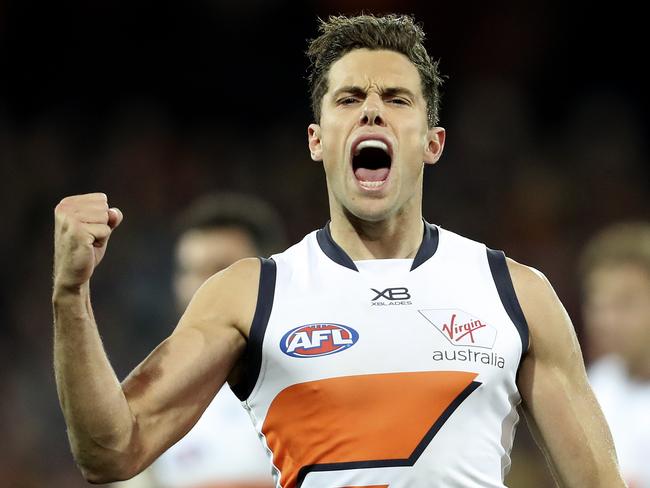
x=372 y=184
x=371 y=143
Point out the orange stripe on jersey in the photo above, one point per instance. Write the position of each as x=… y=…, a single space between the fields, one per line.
x=358 y=418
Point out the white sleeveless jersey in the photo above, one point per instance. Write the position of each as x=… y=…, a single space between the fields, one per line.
x=395 y=373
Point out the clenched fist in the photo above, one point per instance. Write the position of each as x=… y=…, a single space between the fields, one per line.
x=82 y=226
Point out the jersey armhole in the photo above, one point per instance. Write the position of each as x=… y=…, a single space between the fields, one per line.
x=506 y=290
x=253 y=353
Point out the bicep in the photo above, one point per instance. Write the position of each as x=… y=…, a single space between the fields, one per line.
x=557 y=398
x=170 y=389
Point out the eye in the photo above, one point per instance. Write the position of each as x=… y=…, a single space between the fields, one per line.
x=398 y=101
x=347 y=101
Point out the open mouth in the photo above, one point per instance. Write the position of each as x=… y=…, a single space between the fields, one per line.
x=371 y=161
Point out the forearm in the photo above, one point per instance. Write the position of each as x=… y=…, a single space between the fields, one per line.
x=100 y=423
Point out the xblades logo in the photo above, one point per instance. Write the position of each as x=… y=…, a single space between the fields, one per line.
x=395 y=296
x=392 y=294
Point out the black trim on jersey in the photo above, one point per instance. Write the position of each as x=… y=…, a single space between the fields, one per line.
x=429 y=245
x=503 y=282
x=253 y=354
x=333 y=251
x=390 y=463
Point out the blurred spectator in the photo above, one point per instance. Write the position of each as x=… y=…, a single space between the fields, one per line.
x=222 y=450
x=615 y=273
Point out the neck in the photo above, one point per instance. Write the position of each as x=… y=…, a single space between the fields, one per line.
x=398 y=237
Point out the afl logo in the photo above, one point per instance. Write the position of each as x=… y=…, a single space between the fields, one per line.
x=313 y=340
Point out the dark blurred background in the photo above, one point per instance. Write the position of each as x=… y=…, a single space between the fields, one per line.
x=546 y=108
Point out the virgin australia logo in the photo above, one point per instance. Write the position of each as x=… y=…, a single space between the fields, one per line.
x=461 y=328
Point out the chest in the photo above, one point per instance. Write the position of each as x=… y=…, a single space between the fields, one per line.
x=384 y=319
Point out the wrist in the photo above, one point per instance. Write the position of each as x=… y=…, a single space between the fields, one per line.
x=64 y=293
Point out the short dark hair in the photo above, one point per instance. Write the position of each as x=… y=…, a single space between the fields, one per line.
x=239 y=210
x=340 y=35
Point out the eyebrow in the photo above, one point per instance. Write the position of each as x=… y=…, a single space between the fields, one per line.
x=390 y=91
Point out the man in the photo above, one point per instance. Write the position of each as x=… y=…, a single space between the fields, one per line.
x=615 y=272
x=379 y=351
x=213 y=232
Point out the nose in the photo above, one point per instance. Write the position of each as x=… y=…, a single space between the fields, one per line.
x=371 y=112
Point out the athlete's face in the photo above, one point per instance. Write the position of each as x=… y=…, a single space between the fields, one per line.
x=373 y=137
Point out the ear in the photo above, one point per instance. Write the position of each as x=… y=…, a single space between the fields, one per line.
x=435 y=143
x=315 y=145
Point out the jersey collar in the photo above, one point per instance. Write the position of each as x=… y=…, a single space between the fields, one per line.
x=333 y=251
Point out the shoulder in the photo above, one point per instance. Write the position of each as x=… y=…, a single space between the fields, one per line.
x=552 y=335
x=525 y=275
x=533 y=289
x=236 y=278
x=227 y=299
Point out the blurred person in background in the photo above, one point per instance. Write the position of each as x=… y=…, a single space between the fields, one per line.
x=222 y=450
x=615 y=276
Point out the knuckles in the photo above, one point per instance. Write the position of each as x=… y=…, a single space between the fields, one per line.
x=82 y=200
x=77 y=207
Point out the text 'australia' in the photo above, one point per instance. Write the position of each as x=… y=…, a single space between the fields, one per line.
x=470 y=356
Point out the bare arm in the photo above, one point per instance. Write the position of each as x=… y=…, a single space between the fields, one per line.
x=116 y=430
x=558 y=401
